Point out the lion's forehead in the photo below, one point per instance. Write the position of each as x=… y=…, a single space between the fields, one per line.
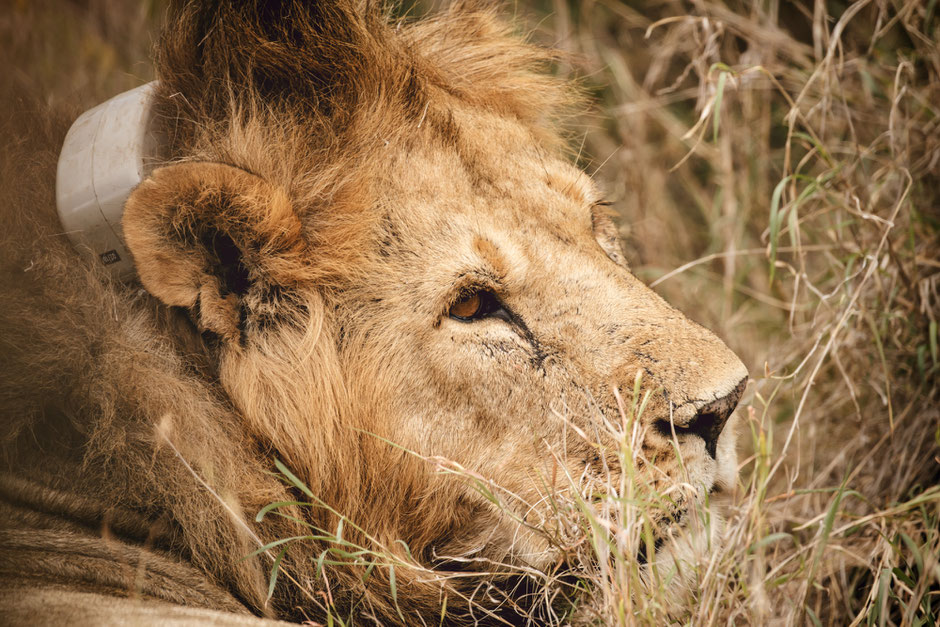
x=493 y=168
x=523 y=220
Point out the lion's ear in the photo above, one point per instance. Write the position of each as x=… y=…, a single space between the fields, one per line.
x=207 y=236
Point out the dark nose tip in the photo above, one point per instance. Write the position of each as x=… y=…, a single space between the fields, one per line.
x=709 y=421
x=712 y=418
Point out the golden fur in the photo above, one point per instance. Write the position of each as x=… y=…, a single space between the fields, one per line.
x=332 y=184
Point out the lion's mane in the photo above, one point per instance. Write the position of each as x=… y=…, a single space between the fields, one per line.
x=112 y=412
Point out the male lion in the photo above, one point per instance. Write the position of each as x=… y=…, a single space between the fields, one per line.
x=363 y=256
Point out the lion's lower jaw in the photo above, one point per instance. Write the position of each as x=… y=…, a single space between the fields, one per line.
x=682 y=558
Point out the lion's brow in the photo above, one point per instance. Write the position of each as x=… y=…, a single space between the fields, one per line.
x=491 y=255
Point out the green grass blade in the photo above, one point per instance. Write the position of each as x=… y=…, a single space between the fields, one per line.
x=828 y=522
x=293 y=478
x=716 y=114
x=277 y=543
x=813 y=617
x=770 y=539
x=933 y=343
x=393 y=588
x=443 y=611
x=883 y=586
x=775 y=223
x=272 y=506
x=275 y=569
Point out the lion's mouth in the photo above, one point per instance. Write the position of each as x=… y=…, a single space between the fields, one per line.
x=641 y=554
x=671 y=526
x=662 y=530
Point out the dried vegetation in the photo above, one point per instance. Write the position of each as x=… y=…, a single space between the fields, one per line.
x=777 y=166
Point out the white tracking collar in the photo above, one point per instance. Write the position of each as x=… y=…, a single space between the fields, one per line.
x=107 y=152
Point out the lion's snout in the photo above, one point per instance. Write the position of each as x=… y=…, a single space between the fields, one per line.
x=709 y=421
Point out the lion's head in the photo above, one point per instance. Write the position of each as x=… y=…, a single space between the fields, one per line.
x=369 y=251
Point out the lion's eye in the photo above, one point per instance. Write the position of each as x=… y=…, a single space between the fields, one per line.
x=475 y=306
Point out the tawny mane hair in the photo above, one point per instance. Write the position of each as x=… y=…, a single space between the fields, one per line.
x=303 y=95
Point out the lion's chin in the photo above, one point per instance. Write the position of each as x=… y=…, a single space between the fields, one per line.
x=687 y=547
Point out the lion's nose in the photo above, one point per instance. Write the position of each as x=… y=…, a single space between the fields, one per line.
x=709 y=420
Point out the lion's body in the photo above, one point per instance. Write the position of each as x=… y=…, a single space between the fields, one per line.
x=337 y=185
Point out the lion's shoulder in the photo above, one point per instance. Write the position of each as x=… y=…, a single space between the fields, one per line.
x=78 y=561
x=21 y=604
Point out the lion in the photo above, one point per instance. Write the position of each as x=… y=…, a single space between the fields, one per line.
x=363 y=258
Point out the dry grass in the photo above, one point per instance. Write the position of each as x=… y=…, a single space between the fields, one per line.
x=776 y=166
x=784 y=159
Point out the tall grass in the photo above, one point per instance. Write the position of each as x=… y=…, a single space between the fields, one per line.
x=776 y=168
